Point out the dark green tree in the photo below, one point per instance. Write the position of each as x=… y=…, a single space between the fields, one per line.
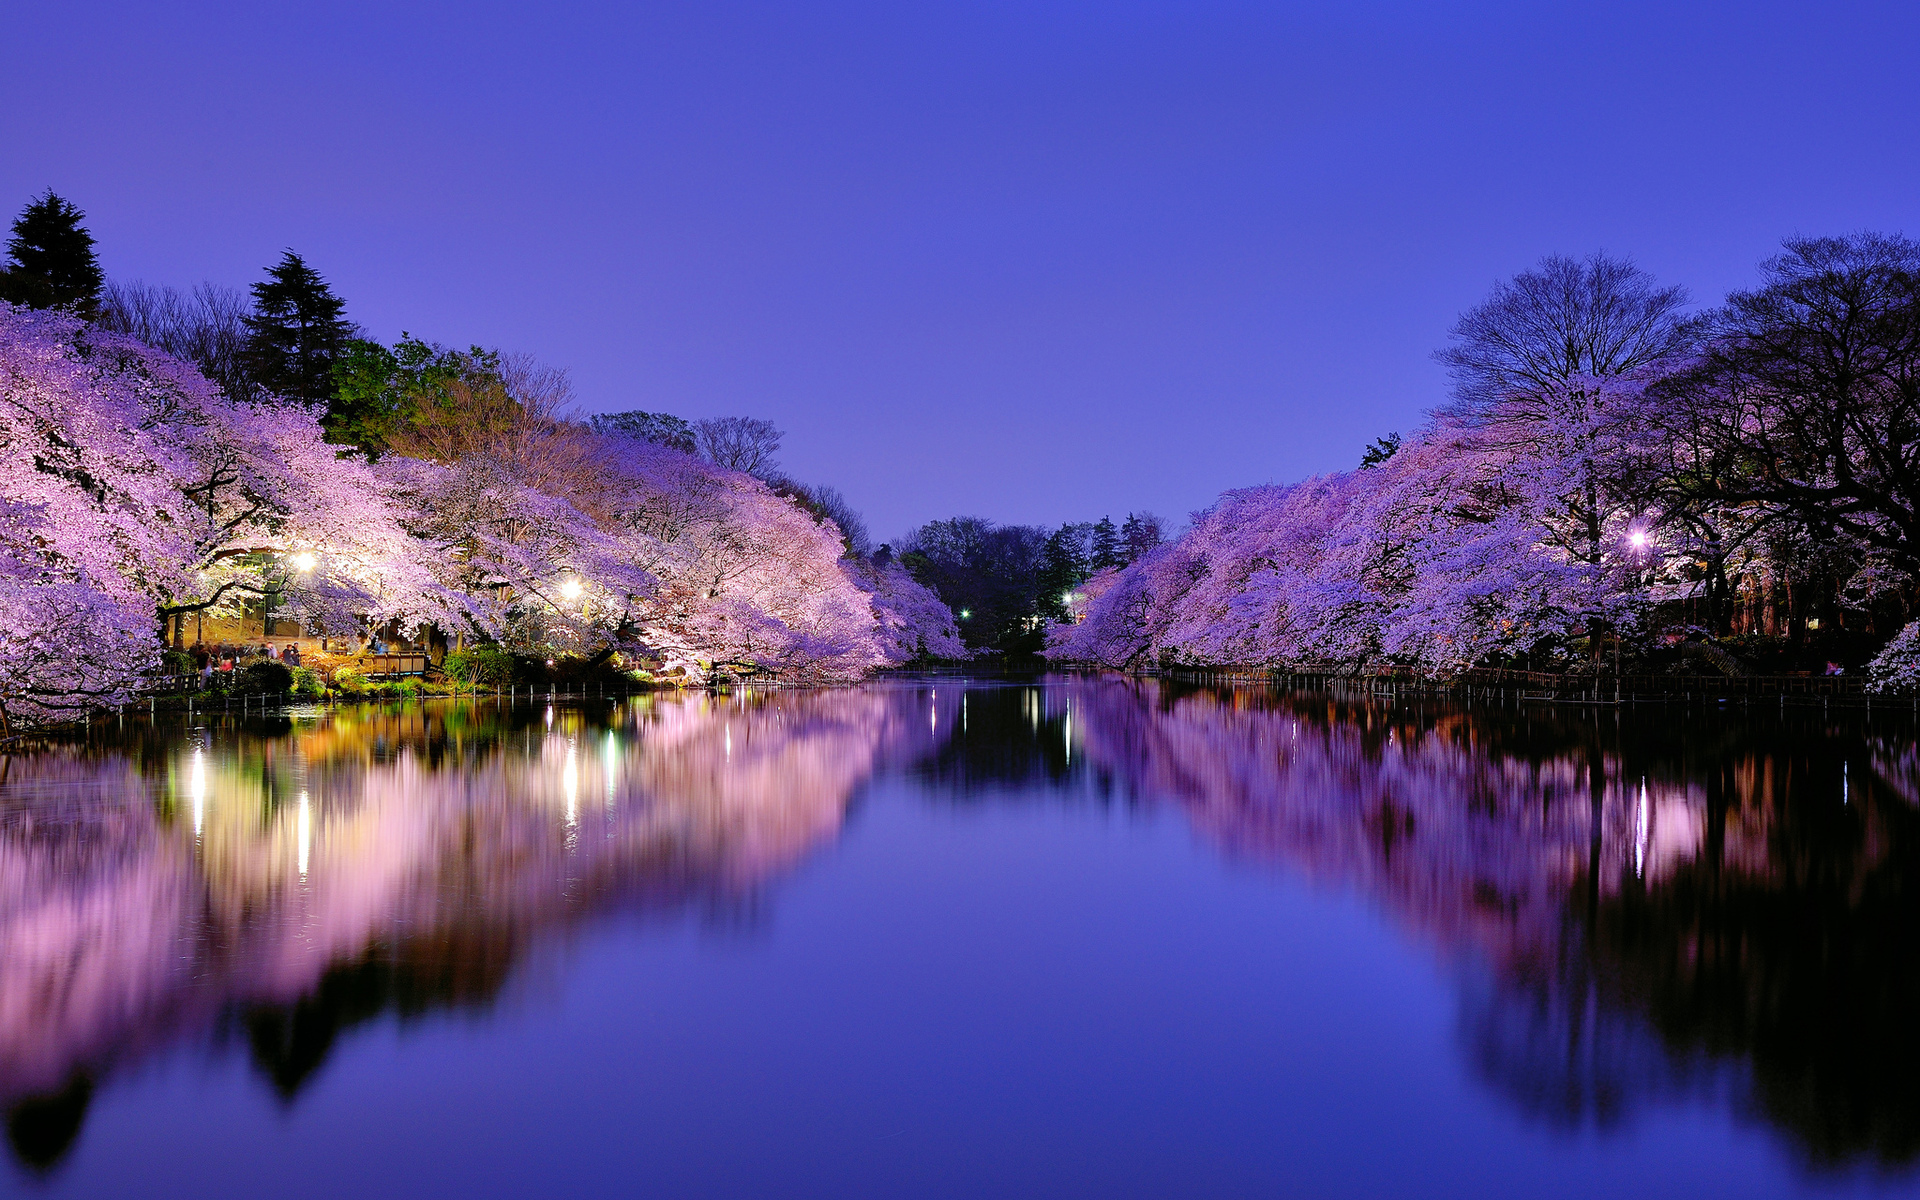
x=50 y=261
x=1106 y=545
x=1380 y=451
x=297 y=332
x=1064 y=566
x=1140 y=533
x=377 y=391
x=662 y=429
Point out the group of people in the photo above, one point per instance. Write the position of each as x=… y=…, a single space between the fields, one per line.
x=217 y=661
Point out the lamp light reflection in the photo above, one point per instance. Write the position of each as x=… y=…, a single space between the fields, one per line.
x=197 y=789
x=305 y=834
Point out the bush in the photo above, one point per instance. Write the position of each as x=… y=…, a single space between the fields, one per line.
x=263 y=677
x=482 y=666
x=307 y=682
x=350 y=681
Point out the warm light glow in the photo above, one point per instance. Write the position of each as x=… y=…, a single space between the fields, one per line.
x=197 y=789
x=571 y=589
x=304 y=561
x=305 y=834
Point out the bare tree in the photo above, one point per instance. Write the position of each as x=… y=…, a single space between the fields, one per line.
x=738 y=443
x=1565 y=318
x=1808 y=400
x=853 y=527
x=207 y=326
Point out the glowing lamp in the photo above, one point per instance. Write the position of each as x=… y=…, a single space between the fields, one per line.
x=1638 y=539
x=571 y=589
x=303 y=561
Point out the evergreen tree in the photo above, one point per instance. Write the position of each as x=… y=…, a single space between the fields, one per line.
x=1063 y=567
x=1106 y=545
x=50 y=262
x=1140 y=534
x=297 y=332
x=664 y=429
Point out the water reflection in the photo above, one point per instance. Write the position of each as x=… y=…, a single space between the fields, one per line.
x=1636 y=908
x=284 y=880
x=1640 y=905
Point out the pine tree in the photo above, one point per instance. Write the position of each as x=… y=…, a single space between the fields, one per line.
x=50 y=261
x=1106 y=545
x=296 y=333
x=1063 y=567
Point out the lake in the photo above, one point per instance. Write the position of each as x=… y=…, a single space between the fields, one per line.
x=941 y=936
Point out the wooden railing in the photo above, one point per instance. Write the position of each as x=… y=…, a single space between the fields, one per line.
x=387 y=666
x=1543 y=683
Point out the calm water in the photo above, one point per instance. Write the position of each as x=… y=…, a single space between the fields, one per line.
x=1079 y=937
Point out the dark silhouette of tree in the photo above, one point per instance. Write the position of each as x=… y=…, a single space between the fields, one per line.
x=745 y=444
x=1380 y=451
x=1064 y=566
x=50 y=260
x=207 y=326
x=1565 y=318
x=297 y=332
x=1106 y=545
x=1808 y=397
x=1140 y=533
x=41 y=1129
x=663 y=429
x=989 y=575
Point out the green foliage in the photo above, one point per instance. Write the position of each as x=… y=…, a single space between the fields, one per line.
x=263 y=677
x=480 y=666
x=350 y=681
x=50 y=260
x=296 y=333
x=377 y=391
x=177 y=662
x=307 y=682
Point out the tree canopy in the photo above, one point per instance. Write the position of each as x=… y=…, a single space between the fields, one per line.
x=50 y=259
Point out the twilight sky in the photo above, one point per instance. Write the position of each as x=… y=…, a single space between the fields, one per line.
x=1033 y=262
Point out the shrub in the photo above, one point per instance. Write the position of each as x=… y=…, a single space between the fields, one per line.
x=481 y=666
x=263 y=677
x=307 y=682
x=350 y=681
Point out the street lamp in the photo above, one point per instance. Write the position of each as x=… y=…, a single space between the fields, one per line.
x=303 y=561
x=571 y=589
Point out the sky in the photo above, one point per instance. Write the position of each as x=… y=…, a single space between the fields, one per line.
x=1033 y=262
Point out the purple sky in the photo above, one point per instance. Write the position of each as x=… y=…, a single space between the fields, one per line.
x=1032 y=262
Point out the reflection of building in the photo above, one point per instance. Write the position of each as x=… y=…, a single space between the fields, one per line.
x=373 y=860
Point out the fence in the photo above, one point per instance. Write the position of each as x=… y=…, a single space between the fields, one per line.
x=1563 y=687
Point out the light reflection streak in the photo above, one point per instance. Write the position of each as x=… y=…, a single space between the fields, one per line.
x=197 y=789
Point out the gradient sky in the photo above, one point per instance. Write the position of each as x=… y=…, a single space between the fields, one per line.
x=1032 y=262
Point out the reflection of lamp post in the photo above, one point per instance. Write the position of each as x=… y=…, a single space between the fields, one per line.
x=1637 y=547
